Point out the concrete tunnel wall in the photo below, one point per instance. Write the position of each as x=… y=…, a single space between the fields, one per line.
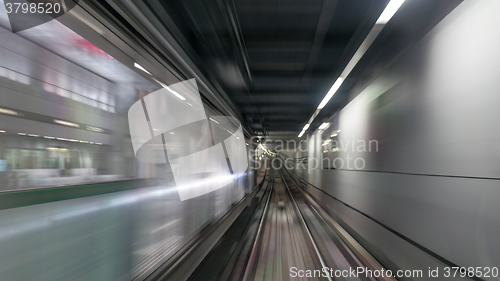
x=435 y=177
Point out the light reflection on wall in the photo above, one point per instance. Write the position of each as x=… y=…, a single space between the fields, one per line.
x=14 y=76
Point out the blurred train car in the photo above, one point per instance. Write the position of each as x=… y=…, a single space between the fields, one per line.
x=75 y=204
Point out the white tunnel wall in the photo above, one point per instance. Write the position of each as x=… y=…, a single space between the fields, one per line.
x=435 y=176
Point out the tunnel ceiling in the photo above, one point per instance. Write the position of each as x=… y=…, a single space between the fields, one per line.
x=276 y=59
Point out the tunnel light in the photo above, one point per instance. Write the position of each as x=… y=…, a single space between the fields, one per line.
x=324 y=125
x=47 y=137
x=190 y=104
x=384 y=17
x=136 y=65
x=57 y=149
x=2 y=131
x=170 y=90
x=175 y=93
x=95 y=129
x=389 y=11
x=66 y=123
x=213 y=120
x=33 y=135
x=21 y=134
x=331 y=92
x=171 y=133
x=8 y=112
x=306 y=126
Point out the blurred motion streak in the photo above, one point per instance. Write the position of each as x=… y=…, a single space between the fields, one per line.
x=75 y=203
x=203 y=168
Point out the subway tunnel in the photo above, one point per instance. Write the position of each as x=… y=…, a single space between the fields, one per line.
x=249 y=140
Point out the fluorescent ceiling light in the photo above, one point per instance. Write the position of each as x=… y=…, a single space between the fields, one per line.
x=33 y=135
x=170 y=90
x=384 y=17
x=324 y=125
x=213 y=120
x=21 y=134
x=174 y=92
x=331 y=92
x=66 y=123
x=57 y=149
x=141 y=68
x=8 y=111
x=50 y=138
x=95 y=129
x=2 y=131
x=306 y=126
x=389 y=11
